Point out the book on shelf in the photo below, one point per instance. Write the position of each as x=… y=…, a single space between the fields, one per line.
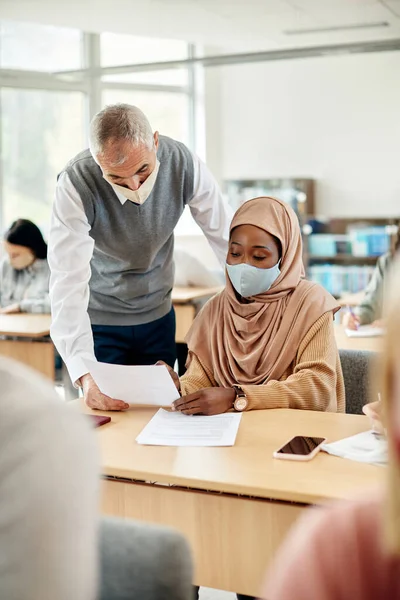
x=338 y=279
x=358 y=242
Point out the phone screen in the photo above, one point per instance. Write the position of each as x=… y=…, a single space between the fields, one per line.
x=301 y=445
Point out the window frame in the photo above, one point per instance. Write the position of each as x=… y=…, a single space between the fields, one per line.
x=88 y=80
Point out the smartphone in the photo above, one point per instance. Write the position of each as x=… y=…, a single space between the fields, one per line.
x=300 y=448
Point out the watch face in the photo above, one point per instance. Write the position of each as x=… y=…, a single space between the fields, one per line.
x=240 y=404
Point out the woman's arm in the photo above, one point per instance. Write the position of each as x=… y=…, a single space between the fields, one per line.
x=371 y=306
x=36 y=298
x=196 y=377
x=39 y=304
x=313 y=383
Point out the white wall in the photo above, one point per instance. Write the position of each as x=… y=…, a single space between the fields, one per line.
x=335 y=118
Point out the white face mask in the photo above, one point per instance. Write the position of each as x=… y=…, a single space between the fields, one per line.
x=251 y=281
x=140 y=195
x=22 y=261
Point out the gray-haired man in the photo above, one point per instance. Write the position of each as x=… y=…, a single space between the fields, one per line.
x=111 y=244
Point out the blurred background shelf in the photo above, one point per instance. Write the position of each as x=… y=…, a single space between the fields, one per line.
x=338 y=253
x=343 y=258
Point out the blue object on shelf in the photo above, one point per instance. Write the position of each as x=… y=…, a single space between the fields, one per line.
x=322 y=244
x=369 y=241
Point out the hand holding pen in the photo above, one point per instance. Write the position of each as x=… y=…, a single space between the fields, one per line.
x=351 y=320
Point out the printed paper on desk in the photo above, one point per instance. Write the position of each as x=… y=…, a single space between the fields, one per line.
x=149 y=384
x=176 y=429
x=365 y=331
x=367 y=447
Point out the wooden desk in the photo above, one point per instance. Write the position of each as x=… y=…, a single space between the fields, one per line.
x=25 y=341
x=234 y=505
x=184 y=301
x=372 y=344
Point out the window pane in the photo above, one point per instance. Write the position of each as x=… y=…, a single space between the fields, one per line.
x=167 y=77
x=41 y=131
x=118 y=49
x=168 y=112
x=39 y=47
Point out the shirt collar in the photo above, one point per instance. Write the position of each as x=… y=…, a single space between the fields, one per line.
x=120 y=196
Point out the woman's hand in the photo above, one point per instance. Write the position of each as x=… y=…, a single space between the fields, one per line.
x=174 y=374
x=208 y=401
x=374 y=413
x=10 y=309
x=351 y=321
x=379 y=324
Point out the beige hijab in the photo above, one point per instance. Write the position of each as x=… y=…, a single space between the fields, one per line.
x=253 y=342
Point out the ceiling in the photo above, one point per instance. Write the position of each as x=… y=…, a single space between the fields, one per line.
x=231 y=25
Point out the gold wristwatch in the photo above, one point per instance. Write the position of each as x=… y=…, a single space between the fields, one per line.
x=240 y=403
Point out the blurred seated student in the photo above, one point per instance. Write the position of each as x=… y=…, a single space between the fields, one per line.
x=266 y=340
x=24 y=272
x=351 y=550
x=49 y=493
x=369 y=312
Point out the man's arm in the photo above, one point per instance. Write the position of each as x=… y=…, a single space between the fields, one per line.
x=209 y=209
x=69 y=255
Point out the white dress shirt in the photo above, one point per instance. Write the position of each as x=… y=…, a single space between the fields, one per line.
x=71 y=250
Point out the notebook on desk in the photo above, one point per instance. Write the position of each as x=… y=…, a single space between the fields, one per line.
x=365 y=331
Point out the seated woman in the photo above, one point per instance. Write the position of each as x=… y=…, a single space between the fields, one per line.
x=351 y=550
x=370 y=309
x=24 y=272
x=267 y=340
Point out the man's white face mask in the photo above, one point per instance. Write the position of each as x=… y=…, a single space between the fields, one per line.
x=140 y=195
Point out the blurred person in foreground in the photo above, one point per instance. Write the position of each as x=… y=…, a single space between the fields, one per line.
x=49 y=477
x=352 y=550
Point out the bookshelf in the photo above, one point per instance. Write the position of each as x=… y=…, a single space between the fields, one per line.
x=352 y=245
x=343 y=259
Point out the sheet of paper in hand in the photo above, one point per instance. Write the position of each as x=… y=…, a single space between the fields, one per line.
x=150 y=385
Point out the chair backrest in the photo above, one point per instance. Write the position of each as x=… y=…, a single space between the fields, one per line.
x=143 y=562
x=356 y=366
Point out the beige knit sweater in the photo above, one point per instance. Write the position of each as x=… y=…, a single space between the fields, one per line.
x=314 y=380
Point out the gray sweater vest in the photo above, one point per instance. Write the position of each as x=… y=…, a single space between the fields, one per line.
x=132 y=269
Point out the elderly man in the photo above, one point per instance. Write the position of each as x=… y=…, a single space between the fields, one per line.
x=111 y=244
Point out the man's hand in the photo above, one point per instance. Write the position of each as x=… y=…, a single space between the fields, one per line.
x=11 y=309
x=174 y=374
x=208 y=401
x=95 y=399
